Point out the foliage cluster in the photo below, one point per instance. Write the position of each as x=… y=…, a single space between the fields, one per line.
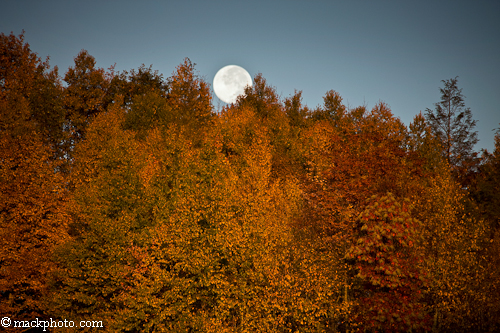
x=126 y=198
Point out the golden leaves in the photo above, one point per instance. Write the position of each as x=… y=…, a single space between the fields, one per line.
x=265 y=217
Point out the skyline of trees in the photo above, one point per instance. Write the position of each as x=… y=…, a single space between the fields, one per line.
x=126 y=198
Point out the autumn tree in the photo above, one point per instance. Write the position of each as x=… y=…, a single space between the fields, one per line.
x=485 y=194
x=387 y=261
x=265 y=217
x=39 y=85
x=262 y=98
x=454 y=232
x=147 y=111
x=189 y=97
x=138 y=82
x=454 y=238
x=86 y=95
x=452 y=123
x=422 y=141
x=283 y=122
x=115 y=210
x=365 y=155
x=32 y=190
x=452 y=241
x=452 y=235
x=485 y=191
x=333 y=109
x=104 y=212
x=297 y=112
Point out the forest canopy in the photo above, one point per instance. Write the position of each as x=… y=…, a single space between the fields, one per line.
x=128 y=199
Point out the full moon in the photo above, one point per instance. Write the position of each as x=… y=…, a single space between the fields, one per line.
x=230 y=82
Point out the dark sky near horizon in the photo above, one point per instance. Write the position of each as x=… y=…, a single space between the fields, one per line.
x=369 y=51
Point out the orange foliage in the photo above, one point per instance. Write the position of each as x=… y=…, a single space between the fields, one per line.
x=32 y=192
x=256 y=219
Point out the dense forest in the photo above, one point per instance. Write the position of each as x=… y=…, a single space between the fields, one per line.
x=127 y=198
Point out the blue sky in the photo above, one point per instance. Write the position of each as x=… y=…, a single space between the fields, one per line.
x=369 y=51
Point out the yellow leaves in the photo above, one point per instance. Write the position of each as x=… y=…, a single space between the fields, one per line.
x=450 y=242
x=215 y=233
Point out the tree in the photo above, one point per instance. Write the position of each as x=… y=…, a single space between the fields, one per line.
x=31 y=223
x=86 y=95
x=362 y=155
x=262 y=98
x=332 y=110
x=24 y=74
x=452 y=123
x=387 y=260
x=282 y=122
x=137 y=83
x=422 y=141
x=485 y=191
x=189 y=97
x=105 y=216
x=452 y=242
x=148 y=111
x=485 y=194
x=454 y=237
x=31 y=190
x=296 y=112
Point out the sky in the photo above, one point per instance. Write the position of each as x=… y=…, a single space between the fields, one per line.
x=397 y=52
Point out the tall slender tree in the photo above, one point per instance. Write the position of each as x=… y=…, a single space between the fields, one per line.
x=452 y=123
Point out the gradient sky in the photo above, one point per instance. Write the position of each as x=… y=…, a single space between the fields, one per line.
x=369 y=51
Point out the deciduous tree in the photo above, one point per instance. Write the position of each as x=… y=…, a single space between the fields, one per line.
x=485 y=192
x=138 y=82
x=32 y=190
x=86 y=95
x=189 y=97
x=387 y=257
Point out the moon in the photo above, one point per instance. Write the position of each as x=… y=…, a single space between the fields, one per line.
x=230 y=82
